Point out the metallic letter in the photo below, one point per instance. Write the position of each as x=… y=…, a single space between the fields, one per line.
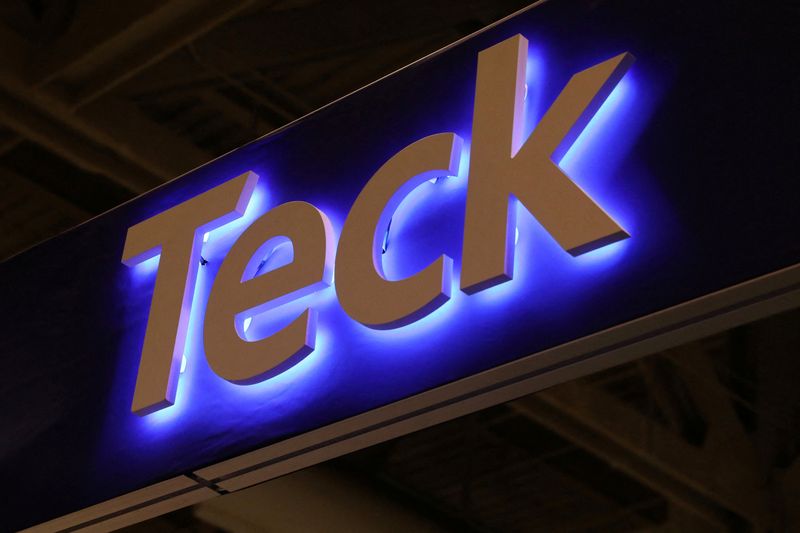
x=238 y=290
x=363 y=290
x=177 y=235
x=501 y=165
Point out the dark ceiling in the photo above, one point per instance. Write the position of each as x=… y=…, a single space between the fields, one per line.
x=101 y=101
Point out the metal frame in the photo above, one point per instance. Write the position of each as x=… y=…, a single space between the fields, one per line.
x=745 y=302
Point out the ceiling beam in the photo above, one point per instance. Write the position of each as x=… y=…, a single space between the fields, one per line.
x=248 y=119
x=726 y=441
x=9 y=142
x=287 y=115
x=144 y=37
x=23 y=184
x=664 y=394
x=378 y=481
x=283 y=39
x=121 y=125
x=681 y=521
x=578 y=522
x=656 y=457
x=177 y=75
x=71 y=145
x=292 y=104
x=314 y=499
x=621 y=518
x=92 y=23
x=111 y=137
x=30 y=214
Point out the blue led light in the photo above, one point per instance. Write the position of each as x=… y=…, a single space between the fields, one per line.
x=534 y=87
x=618 y=101
x=146 y=268
x=169 y=416
x=594 y=158
x=353 y=367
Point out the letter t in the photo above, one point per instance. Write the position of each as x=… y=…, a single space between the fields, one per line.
x=176 y=234
x=502 y=165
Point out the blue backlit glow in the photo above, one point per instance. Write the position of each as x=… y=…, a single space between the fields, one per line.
x=146 y=268
x=353 y=367
x=534 y=87
x=620 y=99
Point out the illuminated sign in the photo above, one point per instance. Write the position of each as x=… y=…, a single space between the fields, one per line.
x=503 y=165
x=448 y=238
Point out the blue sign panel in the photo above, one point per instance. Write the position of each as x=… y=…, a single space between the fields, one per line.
x=682 y=151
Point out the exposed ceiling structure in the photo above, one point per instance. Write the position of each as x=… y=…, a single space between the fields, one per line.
x=101 y=101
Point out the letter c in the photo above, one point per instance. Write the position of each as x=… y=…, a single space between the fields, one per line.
x=238 y=289
x=363 y=291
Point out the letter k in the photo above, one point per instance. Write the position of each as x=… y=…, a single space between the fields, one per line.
x=502 y=166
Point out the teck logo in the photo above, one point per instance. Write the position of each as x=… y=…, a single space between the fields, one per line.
x=502 y=165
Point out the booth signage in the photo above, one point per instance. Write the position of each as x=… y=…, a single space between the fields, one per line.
x=503 y=165
x=523 y=207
